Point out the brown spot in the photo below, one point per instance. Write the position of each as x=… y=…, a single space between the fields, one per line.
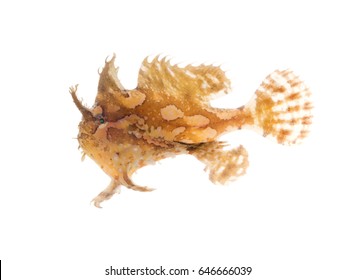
x=293 y=96
x=295 y=83
x=113 y=134
x=293 y=109
x=307 y=106
x=280 y=89
x=283 y=133
x=307 y=120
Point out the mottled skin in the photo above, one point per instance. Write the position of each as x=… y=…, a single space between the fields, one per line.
x=169 y=114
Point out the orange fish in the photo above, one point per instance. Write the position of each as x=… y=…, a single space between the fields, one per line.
x=168 y=114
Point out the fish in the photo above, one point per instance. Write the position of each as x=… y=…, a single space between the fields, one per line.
x=169 y=113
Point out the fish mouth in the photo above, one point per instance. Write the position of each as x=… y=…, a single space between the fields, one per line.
x=87 y=115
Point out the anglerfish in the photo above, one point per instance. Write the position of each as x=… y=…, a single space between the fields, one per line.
x=169 y=113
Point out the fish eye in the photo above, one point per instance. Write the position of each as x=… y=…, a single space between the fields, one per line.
x=100 y=118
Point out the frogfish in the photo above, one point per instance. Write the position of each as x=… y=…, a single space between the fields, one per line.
x=169 y=114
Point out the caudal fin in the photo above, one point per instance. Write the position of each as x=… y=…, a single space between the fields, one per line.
x=281 y=107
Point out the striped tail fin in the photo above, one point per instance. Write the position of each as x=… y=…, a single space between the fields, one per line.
x=281 y=107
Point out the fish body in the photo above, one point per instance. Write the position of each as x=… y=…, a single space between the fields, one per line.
x=169 y=113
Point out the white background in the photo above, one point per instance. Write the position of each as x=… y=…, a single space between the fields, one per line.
x=290 y=217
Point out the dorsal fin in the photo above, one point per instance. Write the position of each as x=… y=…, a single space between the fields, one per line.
x=190 y=82
x=108 y=77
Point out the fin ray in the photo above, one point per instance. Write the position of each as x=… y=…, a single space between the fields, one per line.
x=223 y=165
x=282 y=107
x=200 y=82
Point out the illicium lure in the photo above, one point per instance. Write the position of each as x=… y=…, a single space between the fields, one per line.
x=168 y=114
